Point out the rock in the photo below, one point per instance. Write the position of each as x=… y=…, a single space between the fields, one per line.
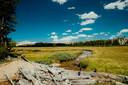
x=93 y=74
x=123 y=79
x=24 y=82
x=55 y=64
x=67 y=82
x=40 y=74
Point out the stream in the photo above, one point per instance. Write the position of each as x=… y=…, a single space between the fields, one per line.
x=86 y=53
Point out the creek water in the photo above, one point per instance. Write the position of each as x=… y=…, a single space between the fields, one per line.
x=86 y=53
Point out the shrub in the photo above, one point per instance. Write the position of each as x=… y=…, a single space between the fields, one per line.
x=61 y=57
x=36 y=50
x=3 y=52
x=45 y=61
x=84 y=63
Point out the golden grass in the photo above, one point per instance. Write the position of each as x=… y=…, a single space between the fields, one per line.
x=109 y=59
x=42 y=53
x=104 y=59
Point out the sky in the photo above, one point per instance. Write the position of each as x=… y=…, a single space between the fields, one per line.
x=70 y=20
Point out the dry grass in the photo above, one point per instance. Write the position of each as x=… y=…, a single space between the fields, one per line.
x=43 y=54
x=109 y=59
x=104 y=59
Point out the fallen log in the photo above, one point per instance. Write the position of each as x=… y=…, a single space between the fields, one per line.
x=23 y=57
x=52 y=76
x=29 y=77
x=9 y=79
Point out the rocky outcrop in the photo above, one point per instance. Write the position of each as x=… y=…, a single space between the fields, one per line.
x=29 y=73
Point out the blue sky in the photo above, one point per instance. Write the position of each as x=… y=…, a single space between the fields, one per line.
x=70 y=20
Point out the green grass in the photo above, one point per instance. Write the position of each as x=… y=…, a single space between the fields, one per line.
x=62 y=57
x=50 y=55
x=104 y=59
x=109 y=59
x=84 y=63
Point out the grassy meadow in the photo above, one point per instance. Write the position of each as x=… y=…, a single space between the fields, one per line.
x=48 y=54
x=104 y=59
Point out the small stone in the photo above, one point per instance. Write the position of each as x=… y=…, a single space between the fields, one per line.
x=24 y=82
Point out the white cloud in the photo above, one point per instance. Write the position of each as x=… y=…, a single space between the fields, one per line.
x=124 y=31
x=90 y=21
x=88 y=18
x=54 y=37
x=112 y=37
x=85 y=36
x=102 y=33
x=105 y=34
x=64 y=33
x=85 y=29
x=91 y=36
x=68 y=39
x=95 y=34
x=75 y=33
x=82 y=35
x=71 y=8
x=120 y=33
x=60 y=1
x=73 y=38
x=90 y=15
x=120 y=5
x=69 y=30
x=53 y=33
x=26 y=42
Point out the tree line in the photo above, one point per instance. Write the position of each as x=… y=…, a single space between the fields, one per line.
x=111 y=42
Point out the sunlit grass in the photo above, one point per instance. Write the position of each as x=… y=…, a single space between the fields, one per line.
x=104 y=59
x=109 y=59
x=50 y=55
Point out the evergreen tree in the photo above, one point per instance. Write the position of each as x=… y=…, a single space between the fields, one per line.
x=7 y=25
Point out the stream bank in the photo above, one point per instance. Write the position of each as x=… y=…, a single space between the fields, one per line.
x=74 y=64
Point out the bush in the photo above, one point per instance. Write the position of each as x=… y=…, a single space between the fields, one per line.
x=84 y=63
x=61 y=57
x=45 y=61
x=3 y=53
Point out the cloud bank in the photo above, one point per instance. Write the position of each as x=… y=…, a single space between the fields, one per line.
x=120 y=5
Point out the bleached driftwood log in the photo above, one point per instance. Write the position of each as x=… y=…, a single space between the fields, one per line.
x=9 y=79
x=29 y=77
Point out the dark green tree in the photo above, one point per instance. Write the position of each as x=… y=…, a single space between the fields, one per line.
x=7 y=25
